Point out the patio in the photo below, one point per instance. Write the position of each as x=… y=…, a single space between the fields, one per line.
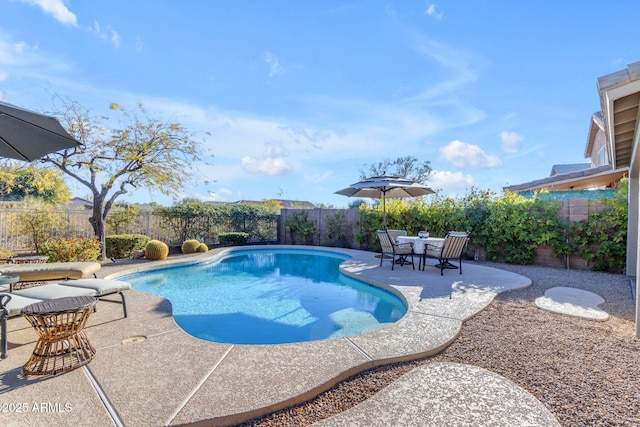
x=147 y=371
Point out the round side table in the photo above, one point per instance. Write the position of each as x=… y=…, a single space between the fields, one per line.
x=8 y=280
x=63 y=344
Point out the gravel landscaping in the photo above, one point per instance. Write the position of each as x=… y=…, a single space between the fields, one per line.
x=585 y=372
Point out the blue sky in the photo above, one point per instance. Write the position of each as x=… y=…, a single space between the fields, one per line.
x=299 y=95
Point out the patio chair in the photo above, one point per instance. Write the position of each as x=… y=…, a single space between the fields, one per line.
x=397 y=252
x=395 y=233
x=37 y=274
x=452 y=248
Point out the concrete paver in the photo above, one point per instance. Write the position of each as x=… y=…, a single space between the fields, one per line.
x=447 y=394
x=573 y=302
x=153 y=373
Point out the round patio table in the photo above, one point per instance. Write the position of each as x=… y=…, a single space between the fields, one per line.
x=419 y=246
x=63 y=345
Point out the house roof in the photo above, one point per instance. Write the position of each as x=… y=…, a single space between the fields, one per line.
x=578 y=176
x=569 y=168
x=620 y=101
x=596 y=125
x=577 y=180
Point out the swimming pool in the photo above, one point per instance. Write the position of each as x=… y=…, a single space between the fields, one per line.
x=270 y=296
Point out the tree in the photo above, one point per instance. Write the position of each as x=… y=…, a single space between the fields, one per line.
x=18 y=182
x=408 y=167
x=142 y=152
x=272 y=204
x=356 y=203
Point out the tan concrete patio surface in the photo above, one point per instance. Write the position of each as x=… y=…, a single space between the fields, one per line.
x=148 y=372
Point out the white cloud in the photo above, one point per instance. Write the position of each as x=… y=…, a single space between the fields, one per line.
x=219 y=195
x=55 y=8
x=510 y=141
x=432 y=11
x=108 y=34
x=462 y=67
x=266 y=166
x=276 y=150
x=237 y=135
x=14 y=53
x=464 y=155
x=451 y=183
x=274 y=65
x=272 y=162
x=29 y=62
x=115 y=38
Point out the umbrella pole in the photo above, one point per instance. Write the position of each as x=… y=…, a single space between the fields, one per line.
x=384 y=212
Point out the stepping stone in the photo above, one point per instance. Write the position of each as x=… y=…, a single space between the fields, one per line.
x=573 y=302
x=447 y=394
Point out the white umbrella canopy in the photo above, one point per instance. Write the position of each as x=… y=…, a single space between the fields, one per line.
x=27 y=135
x=385 y=187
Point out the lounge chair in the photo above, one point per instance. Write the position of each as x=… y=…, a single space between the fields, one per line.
x=11 y=304
x=452 y=248
x=397 y=252
x=51 y=271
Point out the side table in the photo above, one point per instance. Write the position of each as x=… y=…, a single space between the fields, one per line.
x=63 y=345
x=9 y=280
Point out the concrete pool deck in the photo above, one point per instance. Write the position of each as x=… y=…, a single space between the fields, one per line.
x=148 y=372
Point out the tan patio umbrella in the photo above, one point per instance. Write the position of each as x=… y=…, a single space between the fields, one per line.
x=27 y=135
x=385 y=187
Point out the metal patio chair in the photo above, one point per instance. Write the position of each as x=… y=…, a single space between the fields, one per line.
x=397 y=252
x=452 y=248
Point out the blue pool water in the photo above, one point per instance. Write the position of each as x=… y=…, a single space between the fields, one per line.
x=270 y=297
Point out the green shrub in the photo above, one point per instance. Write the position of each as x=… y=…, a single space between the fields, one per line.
x=339 y=231
x=192 y=218
x=121 y=217
x=67 y=250
x=38 y=222
x=257 y=221
x=121 y=246
x=515 y=227
x=188 y=218
x=155 y=250
x=190 y=246
x=300 y=227
x=510 y=227
x=602 y=239
x=233 y=239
